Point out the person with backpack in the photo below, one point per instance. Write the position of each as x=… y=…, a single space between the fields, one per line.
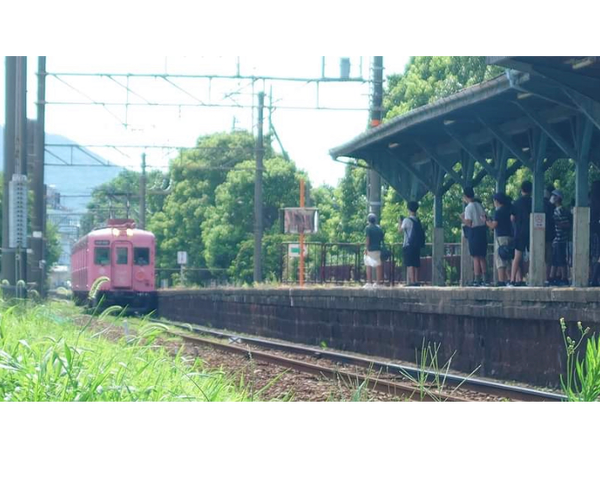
x=474 y=219
x=414 y=241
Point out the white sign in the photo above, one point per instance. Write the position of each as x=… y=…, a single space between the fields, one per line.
x=294 y=250
x=17 y=213
x=182 y=258
x=539 y=221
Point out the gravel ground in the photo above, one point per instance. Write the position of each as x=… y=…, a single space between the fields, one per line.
x=268 y=382
x=271 y=382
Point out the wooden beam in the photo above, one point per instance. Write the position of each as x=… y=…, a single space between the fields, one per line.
x=549 y=130
x=471 y=150
x=507 y=142
x=447 y=168
x=587 y=106
x=419 y=176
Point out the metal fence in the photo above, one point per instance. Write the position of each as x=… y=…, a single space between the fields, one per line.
x=343 y=263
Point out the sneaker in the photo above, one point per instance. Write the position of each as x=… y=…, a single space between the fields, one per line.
x=475 y=284
x=368 y=285
x=501 y=284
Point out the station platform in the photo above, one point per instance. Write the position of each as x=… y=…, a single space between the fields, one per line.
x=507 y=333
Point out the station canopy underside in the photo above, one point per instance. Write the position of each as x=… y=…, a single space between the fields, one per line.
x=496 y=125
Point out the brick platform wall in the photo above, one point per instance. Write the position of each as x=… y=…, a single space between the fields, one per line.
x=510 y=333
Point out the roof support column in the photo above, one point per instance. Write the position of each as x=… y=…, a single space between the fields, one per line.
x=437 y=239
x=466 y=260
x=500 y=161
x=581 y=212
x=537 y=221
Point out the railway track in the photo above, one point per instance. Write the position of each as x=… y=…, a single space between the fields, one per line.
x=481 y=386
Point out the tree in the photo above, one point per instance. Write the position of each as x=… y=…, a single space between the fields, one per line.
x=195 y=177
x=120 y=198
x=428 y=79
x=227 y=231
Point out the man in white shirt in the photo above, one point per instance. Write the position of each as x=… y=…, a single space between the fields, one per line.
x=474 y=220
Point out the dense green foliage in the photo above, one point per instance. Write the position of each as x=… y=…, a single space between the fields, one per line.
x=44 y=356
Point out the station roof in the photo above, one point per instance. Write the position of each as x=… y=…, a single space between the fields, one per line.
x=579 y=73
x=471 y=125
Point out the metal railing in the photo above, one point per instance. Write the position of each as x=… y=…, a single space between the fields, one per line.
x=343 y=263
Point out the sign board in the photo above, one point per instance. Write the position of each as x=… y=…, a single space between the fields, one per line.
x=17 y=211
x=181 y=258
x=294 y=250
x=539 y=221
x=301 y=220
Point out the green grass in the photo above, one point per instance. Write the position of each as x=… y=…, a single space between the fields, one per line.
x=582 y=380
x=45 y=356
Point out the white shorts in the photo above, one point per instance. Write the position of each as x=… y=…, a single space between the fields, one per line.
x=375 y=258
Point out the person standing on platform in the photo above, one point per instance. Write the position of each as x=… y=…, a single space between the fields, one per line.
x=474 y=219
x=521 y=212
x=595 y=233
x=549 y=211
x=374 y=240
x=503 y=227
x=562 y=224
x=414 y=241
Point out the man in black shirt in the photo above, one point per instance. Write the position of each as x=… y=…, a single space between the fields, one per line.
x=501 y=224
x=374 y=239
x=521 y=212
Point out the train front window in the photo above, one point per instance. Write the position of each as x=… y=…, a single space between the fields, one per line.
x=141 y=256
x=102 y=256
x=121 y=255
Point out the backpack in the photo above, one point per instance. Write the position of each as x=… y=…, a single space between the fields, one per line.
x=417 y=234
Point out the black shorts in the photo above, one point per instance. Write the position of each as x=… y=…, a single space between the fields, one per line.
x=411 y=256
x=559 y=254
x=478 y=241
x=522 y=243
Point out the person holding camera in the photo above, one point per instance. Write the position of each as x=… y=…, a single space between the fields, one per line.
x=414 y=240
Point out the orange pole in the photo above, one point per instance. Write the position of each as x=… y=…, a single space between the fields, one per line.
x=302 y=236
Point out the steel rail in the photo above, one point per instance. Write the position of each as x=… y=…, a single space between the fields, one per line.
x=379 y=385
x=475 y=384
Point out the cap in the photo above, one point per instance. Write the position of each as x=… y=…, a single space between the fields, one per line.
x=500 y=197
x=557 y=193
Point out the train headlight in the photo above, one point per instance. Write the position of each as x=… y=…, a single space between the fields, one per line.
x=129 y=232
x=115 y=232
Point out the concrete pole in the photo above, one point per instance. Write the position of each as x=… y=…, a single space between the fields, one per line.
x=258 y=193
x=537 y=223
x=143 y=194
x=8 y=256
x=438 y=242
x=374 y=185
x=21 y=148
x=38 y=263
x=581 y=212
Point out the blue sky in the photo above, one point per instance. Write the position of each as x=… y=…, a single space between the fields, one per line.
x=307 y=135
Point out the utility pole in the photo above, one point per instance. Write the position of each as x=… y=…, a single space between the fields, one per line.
x=8 y=254
x=258 y=196
x=143 y=194
x=21 y=153
x=376 y=115
x=38 y=224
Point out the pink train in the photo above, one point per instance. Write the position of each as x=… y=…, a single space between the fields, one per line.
x=124 y=254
